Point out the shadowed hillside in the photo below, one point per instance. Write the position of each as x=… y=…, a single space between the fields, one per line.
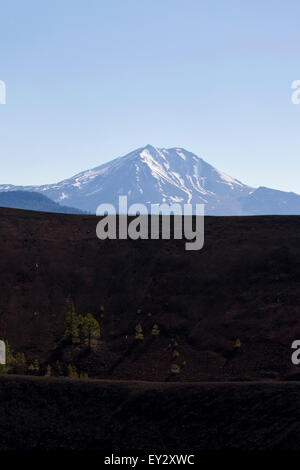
x=229 y=311
x=119 y=417
x=30 y=200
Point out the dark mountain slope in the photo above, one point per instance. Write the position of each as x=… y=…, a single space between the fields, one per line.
x=33 y=201
x=243 y=284
x=266 y=201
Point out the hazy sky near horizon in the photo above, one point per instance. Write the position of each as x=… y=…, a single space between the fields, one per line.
x=90 y=80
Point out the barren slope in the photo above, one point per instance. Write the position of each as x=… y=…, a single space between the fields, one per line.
x=243 y=284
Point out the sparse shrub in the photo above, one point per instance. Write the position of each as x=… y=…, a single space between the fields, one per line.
x=58 y=368
x=19 y=363
x=155 y=330
x=237 y=343
x=4 y=369
x=48 y=372
x=9 y=354
x=30 y=369
x=34 y=368
x=72 y=371
x=15 y=362
x=175 y=368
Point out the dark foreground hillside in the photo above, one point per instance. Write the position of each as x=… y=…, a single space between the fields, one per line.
x=63 y=414
x=241 y=288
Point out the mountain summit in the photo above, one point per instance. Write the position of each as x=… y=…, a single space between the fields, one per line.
x=156 y=175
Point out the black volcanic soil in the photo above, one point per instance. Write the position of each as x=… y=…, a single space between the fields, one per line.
x=37 y=413
x=243 y=284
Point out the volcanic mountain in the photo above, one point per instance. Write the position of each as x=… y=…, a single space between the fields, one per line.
x=151 y=175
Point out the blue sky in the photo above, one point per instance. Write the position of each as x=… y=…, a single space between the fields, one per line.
x=88 y=81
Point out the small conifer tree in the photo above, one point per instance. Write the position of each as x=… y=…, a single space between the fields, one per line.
x=72 y=323
x=90 y=329
x=139 y=332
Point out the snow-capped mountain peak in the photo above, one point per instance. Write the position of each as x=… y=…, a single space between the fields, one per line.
x=154 y=175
